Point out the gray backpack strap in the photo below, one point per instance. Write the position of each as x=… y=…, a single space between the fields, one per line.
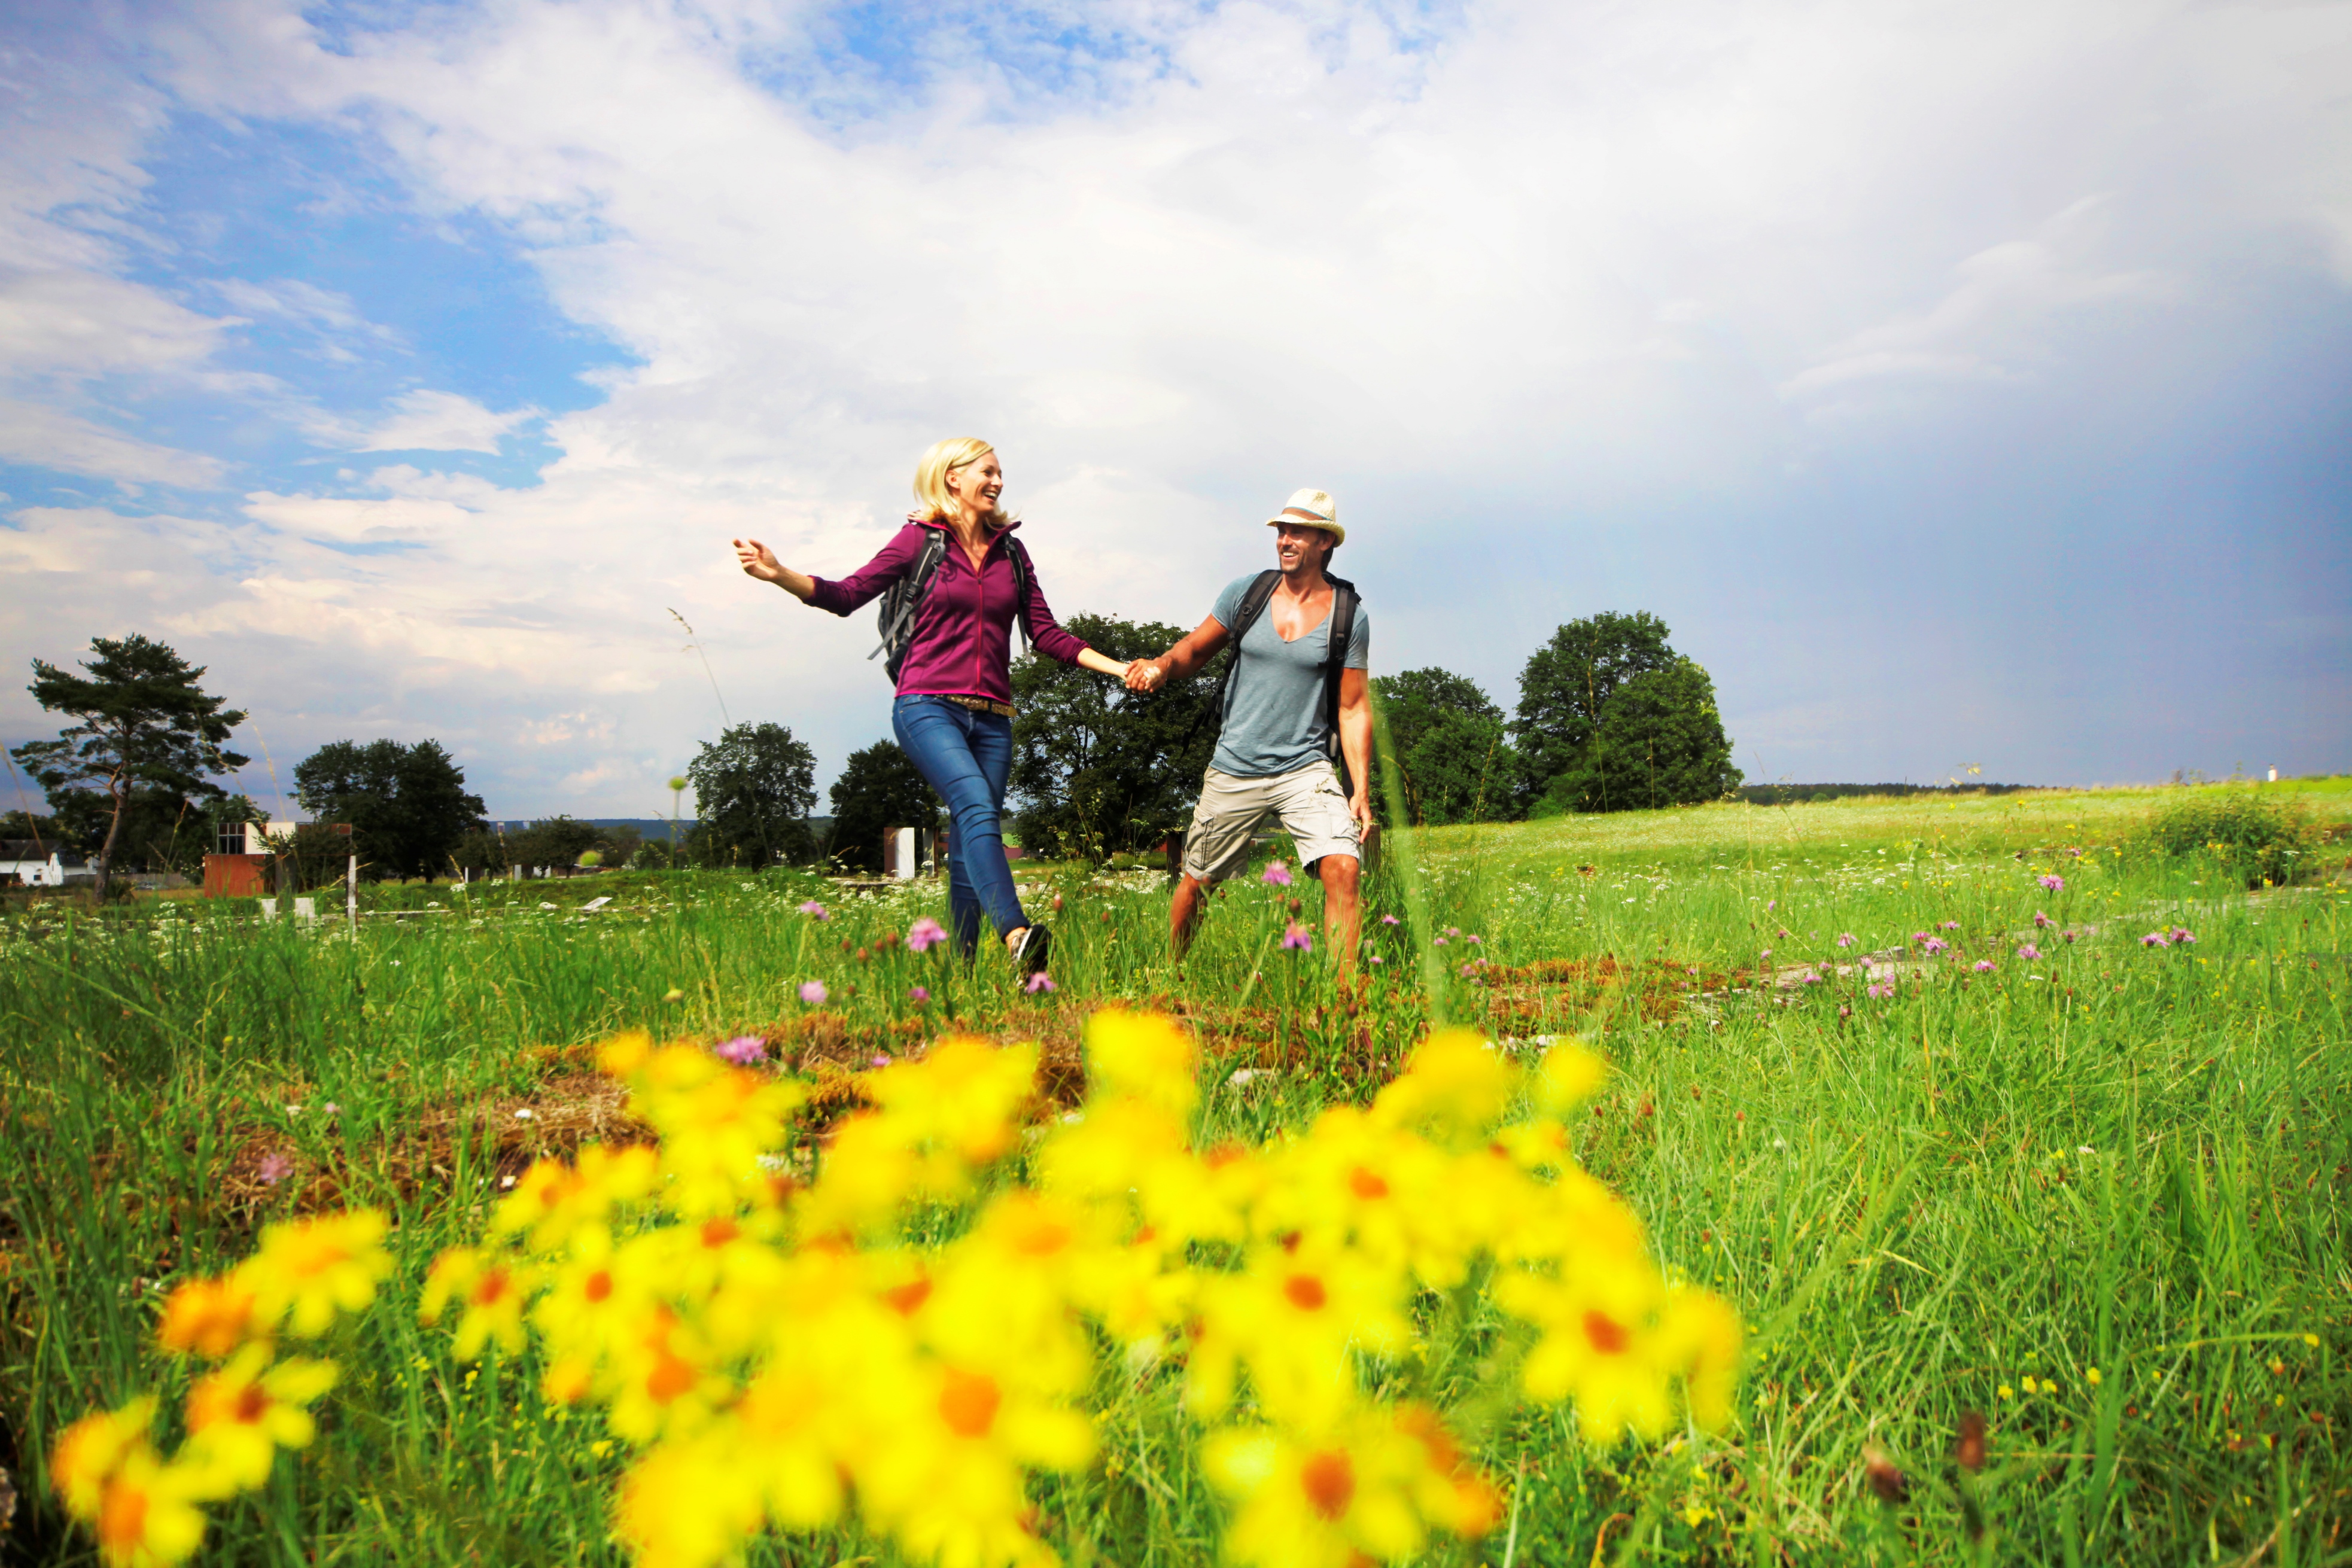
x=1018 y=553
x=1334 y=661
x=1245 y=614
x=904 y=596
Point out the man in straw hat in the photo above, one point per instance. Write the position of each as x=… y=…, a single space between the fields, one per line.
x=1295 y=697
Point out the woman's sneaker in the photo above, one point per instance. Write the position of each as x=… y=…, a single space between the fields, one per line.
x=1029 y=953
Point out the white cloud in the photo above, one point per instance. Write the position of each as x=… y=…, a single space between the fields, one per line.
x=441 y=422
x=42 y=434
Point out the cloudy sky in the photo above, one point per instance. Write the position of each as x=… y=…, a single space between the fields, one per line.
x=1963 y=384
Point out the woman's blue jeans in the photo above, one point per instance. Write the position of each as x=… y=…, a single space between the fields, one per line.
x=967 y=757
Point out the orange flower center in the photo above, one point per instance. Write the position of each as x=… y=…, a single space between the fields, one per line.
x=252 y=1403
x=1365 y=1185
x=493 y=1286
x=122 y=1519
x=599 y=1286
x=1305 y=1292
x=1329 y=1481
x=905 y=1298
x=671 y=1378
x=968 y=1404
x=719 y=1232
x=1608 y=1336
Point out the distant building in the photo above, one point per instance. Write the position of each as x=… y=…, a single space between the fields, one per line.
x=34 y=863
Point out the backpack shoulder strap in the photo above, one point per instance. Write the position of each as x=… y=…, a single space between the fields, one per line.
x=1334 y=659
x=907 y=593
x=1245 y=614
x=1018 y=554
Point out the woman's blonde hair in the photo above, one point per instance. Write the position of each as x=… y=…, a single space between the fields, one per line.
x=943 y=459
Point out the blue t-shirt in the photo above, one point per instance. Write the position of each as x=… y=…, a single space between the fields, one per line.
x=1275 y=722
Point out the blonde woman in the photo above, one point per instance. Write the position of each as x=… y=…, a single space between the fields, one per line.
x=963 y=579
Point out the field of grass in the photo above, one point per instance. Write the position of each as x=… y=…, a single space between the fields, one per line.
x=2095 y=1190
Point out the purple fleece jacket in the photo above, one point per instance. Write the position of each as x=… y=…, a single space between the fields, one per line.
x=963 y=630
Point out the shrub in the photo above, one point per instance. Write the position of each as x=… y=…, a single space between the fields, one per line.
x=2250 y=833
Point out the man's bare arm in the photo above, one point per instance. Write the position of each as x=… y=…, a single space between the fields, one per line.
x=1183 y=660
x=1355 y=740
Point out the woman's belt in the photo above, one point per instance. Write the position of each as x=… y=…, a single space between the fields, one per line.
x=977 y=704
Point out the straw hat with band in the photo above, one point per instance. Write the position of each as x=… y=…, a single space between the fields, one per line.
x=1311 y=509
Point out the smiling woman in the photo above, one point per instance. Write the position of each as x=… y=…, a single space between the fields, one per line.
x=953 y=580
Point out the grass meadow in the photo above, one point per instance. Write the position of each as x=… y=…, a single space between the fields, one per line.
x=2092 y=1188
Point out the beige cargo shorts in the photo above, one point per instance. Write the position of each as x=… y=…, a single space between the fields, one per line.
x=1305 y=803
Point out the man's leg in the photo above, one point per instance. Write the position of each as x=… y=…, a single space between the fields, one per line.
x=1343 y=915
x=1229 y=811
x=1184 y=913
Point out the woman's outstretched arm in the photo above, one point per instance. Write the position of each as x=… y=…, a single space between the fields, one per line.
x=757 y=560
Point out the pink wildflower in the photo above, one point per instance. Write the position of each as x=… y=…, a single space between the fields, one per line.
x=2028 y=952
x=275 y=1168
x=2182 y=936
x=1276 y=874
x=1876 y=992
x=1934 y=944
x=924 y=935
x=1040 y=981
x=2054 y=881
x=1294 y=939
x=1847 y=939
x=2156 y=939
x=742 y=1051
x=814 y=910
x=918 y=994
x=1388 y=920
x=812 y=992
x=1982 y=965
x=1951 y=925
x=2042 y=922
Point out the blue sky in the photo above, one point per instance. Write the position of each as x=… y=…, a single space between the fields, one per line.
x=1961 y=390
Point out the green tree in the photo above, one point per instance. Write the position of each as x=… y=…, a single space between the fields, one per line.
x=147 y=744
x=1097 y=768
x=754 y=789
x=879 y=788
x=1457 y=765
x=1660 y=742
x=552 y=841
x=1566 y=684
x=407 y=805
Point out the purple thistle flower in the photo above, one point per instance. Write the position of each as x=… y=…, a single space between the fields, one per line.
x=742 y=1051
x=1876 y=992
x=1934 y=944
x=880 y=1058
x=2054 y=881
x=1951 y=925
x=2183 y=936
x=1294 y=939
x=2028 y=952
x=1764 y=955
x=275 y=1167
x=1377 y=959
x=1812 y=978
x=1474 y=940
x=2042 y=922
x=924 y=935
x=2068 y=935
x=1453 y=931
x=1983 y=966
x=1388 y=920
x=1468 y=970
x=1845 y=1010
x=1772 y=904
x=812 y=992
x=918 y=994
x=1847 y=939
x=1437 y=941
x=1040 y=981
x=2156 y=939
x=1276 y=874
x=814 y=908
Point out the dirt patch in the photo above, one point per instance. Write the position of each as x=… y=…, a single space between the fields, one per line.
x=1555 y=990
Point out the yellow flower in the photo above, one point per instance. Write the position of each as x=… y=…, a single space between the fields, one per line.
x=2006 y=1392
x=494 y=1291
x=1568 y=1075
x=2090 y=1376
x=688 y=1505
x=553 y=1201
x=1454 y=1087
x=208 y=1317
x=107 y=1473
x=92 y=1449
x=1141 y=1056
x=239 y=1417
x=309 y=1270
x=1372 y=1484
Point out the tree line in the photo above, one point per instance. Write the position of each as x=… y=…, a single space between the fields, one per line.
x=1609 y=717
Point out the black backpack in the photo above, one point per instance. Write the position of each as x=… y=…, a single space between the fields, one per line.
x=1343 y=632
x=904 y=596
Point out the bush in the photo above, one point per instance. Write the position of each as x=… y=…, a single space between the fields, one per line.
x=2250 y=834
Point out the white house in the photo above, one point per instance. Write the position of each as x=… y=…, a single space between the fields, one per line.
x=37 y=864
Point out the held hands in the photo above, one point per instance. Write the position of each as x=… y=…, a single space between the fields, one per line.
x=1144 y=675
